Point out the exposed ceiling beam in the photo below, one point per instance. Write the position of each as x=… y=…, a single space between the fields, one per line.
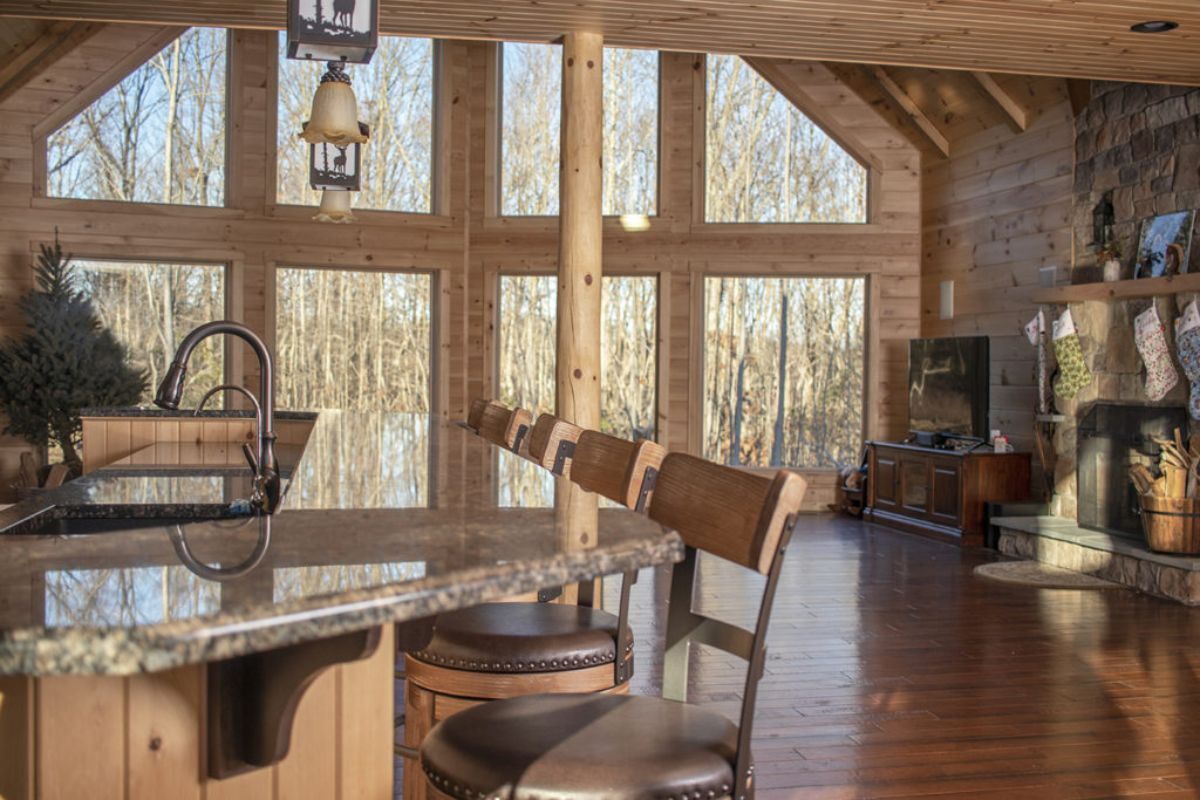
x=1061 y=38
x=912 y=109
x=1016 y=113
x=58 y=40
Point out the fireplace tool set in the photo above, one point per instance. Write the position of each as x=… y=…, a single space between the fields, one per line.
x=1168 y=503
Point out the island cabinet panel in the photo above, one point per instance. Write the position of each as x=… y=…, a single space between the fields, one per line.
x=64 y=738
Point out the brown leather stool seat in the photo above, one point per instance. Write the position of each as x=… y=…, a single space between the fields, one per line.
x=523 y=637
x=582 y=745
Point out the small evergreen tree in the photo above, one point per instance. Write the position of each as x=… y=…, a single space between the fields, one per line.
x=66 y=361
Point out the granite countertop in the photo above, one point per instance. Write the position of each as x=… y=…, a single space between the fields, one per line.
x=385 y=518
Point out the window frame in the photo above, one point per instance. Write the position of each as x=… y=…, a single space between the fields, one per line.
x=494 y=152
x=699 y=335
x=105 y=83
x=439 y=167
x=700 y=168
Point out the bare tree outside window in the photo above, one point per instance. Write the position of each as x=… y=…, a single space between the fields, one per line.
x=151 y=306
x=353 y=340
x=359 y=341
x=766 y=161
x=531 y=99
x=395 y=97
x=156 y=137
x=798 y=405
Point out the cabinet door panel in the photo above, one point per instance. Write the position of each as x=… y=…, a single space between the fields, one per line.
x=946 y=506
x=914 y=484
x=885 y=481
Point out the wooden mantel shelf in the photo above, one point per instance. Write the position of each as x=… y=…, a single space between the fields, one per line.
x=1118 y=290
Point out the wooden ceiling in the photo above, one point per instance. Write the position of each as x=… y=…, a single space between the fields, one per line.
x=1068 y=38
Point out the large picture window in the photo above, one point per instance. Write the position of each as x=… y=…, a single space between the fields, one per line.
x=766 y=161
x=530 y=110
x=353 y=340
x=151 y=306
x=395 y=97
x=156 y=137
x=783 y=371
x=628 y=362
x=359 y=341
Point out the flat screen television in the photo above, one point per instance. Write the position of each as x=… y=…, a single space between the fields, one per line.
x=948 y=387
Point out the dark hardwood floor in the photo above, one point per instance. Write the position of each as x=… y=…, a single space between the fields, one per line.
x=894 y=673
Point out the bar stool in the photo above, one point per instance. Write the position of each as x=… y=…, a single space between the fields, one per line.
x=595 y=452
x=612 y=746
x=552 y=443
x=503 y=426
x=475 y=413
x=498 y=650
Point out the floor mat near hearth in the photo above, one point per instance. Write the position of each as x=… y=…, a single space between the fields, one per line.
x=1041 y=576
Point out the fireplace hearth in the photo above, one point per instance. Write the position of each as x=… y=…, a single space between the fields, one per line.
x=1112 y=438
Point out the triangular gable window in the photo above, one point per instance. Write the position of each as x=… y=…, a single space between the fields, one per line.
x=768 y=162
x=158 y=136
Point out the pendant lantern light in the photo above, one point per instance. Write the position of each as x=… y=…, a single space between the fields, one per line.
x=336 y=167
x=333 y=30
x=335 y=207
x=334 y=118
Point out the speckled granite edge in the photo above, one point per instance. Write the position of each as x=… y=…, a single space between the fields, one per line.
x=233 y=413
x=117 y=651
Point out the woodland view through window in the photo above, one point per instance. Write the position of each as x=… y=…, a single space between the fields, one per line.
x=529 y=138
x=628 y=362
x=395 y=97
x=151 y=306
x=800 y=405
x=766 y=161
x=349 y=340
x=156 y=137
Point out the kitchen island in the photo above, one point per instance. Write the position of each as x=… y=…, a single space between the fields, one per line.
x=157 y=641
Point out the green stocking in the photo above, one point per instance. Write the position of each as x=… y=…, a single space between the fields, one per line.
x=1073 y=373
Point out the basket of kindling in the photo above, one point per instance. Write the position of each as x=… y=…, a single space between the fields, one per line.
x=1168 y=503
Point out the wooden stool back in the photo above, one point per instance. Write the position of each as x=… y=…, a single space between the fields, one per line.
x=621 y=470
x=732 y=513
x=505 y=427
x=552 y=443
x=475 y=414
x=745 y=518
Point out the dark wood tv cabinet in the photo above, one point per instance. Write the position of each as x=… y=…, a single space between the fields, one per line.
x=943 y=493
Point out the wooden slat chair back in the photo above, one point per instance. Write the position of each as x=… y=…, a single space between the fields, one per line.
x=743 y=517
x=623 y=471
x=475 y=413
x=505 y=427
x=552 y=443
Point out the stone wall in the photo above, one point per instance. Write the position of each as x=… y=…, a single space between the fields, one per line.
x=1142 y=143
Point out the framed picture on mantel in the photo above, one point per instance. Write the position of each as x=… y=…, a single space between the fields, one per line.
x=1164 y=245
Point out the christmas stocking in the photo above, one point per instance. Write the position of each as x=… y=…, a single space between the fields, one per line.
x=1151 y=340
x=1073 y=373
x=1187 y=340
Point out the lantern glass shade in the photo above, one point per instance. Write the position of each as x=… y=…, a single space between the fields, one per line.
x=334 y=167
x=335 y=207
x=334 y=116
x=1104 y=217
x=333 y=30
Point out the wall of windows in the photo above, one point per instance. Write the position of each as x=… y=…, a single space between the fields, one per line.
x=395 y=97
x=766 y=161
x=151 y=306
x=783 y=371
x=531 y=95
x=156 y=137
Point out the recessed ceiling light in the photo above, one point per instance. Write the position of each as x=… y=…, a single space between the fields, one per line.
x=1154 y=26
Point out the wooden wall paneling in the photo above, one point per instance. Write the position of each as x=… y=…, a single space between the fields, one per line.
x=72 y=711
x=17 y=757
x=164 y=758
x=24 y=65
x=315 y=735
x=366 y=723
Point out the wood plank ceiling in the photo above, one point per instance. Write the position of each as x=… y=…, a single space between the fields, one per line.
x=1068 y=38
